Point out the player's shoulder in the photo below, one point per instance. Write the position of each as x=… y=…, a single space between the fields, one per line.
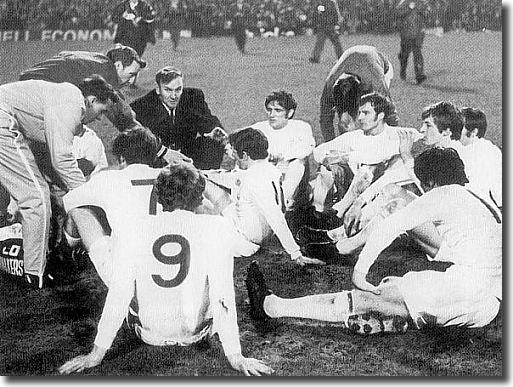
x=300 y=124
x=261 y=125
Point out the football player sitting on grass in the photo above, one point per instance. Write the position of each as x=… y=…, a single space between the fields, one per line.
x=467 y=294
x=443 y=127
x=253 y=197
x=290 y=143
x=174 y=280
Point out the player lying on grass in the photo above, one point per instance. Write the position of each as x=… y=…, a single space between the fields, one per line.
x=466 y=294
x=255 y=204
x=442 y=126
x=180 y=269
x=290 y=142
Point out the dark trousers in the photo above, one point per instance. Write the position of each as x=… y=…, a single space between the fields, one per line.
x=321 y=39
x=175 y=36
x=412 y=45
x=239 y=33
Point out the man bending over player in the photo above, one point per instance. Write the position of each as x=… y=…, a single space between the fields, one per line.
x=180 y=269
x=467 y=294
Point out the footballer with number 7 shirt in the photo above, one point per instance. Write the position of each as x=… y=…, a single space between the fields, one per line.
x=182 y=293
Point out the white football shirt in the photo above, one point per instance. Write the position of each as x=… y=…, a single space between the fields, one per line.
x=181 y=268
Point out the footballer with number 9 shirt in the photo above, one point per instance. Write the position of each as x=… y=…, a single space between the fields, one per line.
x=183 y=294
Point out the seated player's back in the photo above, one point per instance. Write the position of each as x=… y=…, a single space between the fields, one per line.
x=122 y=194
x=180 y=262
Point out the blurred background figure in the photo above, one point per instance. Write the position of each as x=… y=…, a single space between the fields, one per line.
x=175 y=16
x=326 y=21
x=238 y=13
x=135 y=24
x=411 y=26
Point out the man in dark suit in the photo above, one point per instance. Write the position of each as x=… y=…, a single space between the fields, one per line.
x=181 y=118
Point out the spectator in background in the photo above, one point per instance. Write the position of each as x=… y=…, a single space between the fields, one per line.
x=239 y=13
x=360 y=70
x=411 y=27
x=326 y=20
x=175 y=15
x=180 y=117
x=135 y=28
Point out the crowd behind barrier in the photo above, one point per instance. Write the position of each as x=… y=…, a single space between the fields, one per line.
x=209 y=17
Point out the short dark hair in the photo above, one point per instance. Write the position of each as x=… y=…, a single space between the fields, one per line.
x=167 y=74
x=346 y=94
x=96 y=85
x=137 y=145
x=180 y=187
x=379 y=102
x=441 y=166
x=250 y=140
x=445 y=116
x=474 y=119
x=124 y=54
x=283 y=98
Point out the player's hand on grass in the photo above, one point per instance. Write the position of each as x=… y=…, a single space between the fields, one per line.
x=80 y=363
x=303 y=261
x=249 y=366
x=360 y=281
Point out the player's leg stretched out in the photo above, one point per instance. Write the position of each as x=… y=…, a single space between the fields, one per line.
x=360 y=312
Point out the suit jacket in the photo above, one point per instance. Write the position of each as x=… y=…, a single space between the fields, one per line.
x=192 y=117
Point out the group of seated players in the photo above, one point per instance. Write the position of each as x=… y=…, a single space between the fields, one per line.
x=447 y=198
x=163 y=238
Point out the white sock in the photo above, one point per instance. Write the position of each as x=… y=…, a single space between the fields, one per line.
x=333 y=307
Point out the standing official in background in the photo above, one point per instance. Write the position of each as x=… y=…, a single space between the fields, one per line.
x=411 y=26
x=135 y=28
x=326 y=19
x=238 y=14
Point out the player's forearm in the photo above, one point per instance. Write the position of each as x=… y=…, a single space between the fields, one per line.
x=113 y=314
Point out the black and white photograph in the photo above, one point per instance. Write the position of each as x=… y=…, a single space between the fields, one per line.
x=230 y=188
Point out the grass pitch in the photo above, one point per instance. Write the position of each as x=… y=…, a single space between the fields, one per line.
x=42 y=329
